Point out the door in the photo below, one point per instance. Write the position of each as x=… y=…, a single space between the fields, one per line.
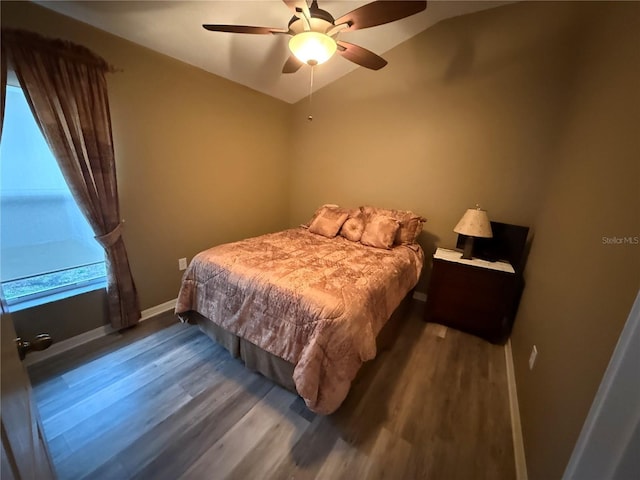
x=24 y=451
x=609 y=443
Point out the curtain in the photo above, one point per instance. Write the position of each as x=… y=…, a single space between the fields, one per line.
x=3 y=92
x=3 y=85
x=66 y=88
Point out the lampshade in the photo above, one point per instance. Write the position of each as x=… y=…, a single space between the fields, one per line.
x=312 y=48
x=474 y=223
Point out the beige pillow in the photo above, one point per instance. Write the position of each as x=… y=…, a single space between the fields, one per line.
x=410 y=228
x=317 y=212
x=328 y=221
x=354 y=226
x=410 y=223
x=380 y=231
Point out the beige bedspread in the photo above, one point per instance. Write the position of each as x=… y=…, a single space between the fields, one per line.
x=316 y=302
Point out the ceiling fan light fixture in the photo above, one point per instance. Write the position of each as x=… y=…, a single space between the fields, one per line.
x=312 y=48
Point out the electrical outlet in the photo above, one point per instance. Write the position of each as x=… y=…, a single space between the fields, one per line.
x=532 y=357
x=182 y=263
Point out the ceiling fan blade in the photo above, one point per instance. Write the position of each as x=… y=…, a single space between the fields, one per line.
x=361 y=56
x=379 y=13
x=292 y=4
x=295 y=4
x=292 y=65
x=244 y=29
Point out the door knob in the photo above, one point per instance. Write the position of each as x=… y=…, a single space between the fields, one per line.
x=40 y=342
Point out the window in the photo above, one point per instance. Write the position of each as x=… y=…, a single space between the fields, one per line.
x=46 y=245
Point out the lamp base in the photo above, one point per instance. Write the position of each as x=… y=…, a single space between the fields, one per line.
x=468 y=248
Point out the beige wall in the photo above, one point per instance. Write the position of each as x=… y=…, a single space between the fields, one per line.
x=532 y=111
x=580 y=291
x=466 y=112
x=200 y=160
x=63 y=319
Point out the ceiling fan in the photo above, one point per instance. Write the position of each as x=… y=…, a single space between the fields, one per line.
x=314 y=31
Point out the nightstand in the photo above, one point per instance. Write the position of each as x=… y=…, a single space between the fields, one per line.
x=476 y=296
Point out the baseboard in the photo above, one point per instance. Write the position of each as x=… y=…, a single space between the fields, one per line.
x=516 y=426
x=86 y=337
x=64 y=345
x=158 y=309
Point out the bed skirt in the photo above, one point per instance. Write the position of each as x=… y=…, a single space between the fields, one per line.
x=275 y=368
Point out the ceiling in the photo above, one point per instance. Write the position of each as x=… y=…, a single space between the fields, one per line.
x=174 y=28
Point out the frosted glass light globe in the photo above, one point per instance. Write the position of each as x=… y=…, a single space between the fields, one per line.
x=312 y=48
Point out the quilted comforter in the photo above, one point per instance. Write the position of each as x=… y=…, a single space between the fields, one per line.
x=316 y=302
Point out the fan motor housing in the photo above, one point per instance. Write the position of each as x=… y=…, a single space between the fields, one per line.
x=320 y=21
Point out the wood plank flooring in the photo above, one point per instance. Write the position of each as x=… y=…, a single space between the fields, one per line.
x=163 y=401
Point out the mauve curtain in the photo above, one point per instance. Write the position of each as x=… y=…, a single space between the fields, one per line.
x=66 y=88
x=3 y=91
x=3 y=85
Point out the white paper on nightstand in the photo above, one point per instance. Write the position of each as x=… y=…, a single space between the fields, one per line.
x=454 y=256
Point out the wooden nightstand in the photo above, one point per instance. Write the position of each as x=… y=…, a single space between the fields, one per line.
x=475 y=296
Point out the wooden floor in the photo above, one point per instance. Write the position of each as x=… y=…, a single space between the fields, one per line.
x=163 y=401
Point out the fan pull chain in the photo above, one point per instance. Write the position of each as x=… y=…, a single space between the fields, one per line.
x=310 y=117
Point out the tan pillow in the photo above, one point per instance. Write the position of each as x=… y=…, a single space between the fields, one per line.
x=410 y=223
x=354 y=226
x=410 y=228
x=380 y=231
x=317 y=212
x=328 y=221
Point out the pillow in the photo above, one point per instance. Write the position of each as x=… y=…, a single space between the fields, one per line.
x=354 y=226
x=410 y=228
x=380 y=231
x=317 y=212
x=410 y=223
x=328 y=221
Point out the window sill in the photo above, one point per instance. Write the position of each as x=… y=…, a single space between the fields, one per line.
x=16 y=306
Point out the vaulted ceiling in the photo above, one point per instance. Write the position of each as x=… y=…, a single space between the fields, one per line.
x=174 y=28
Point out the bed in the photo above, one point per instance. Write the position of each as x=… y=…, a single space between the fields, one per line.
x=304 y=306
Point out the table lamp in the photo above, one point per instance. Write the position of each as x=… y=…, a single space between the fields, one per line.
x=474 y=223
